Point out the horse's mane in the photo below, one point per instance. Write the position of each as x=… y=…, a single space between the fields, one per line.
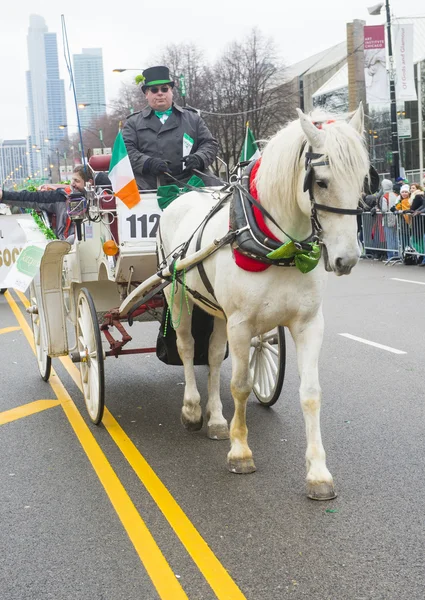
x=279 y=174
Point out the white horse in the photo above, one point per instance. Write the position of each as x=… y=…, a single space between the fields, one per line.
x=255 y=303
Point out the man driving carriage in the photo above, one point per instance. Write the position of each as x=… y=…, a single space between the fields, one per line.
x=167 y=138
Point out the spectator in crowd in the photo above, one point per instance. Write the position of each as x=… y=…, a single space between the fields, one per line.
x=398 y=183
x=53 y=201
x=387 y=199
x=403 y=205
x=416 y=198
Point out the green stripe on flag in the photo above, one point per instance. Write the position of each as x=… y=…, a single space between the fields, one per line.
x=249 y=149
x=119 y=151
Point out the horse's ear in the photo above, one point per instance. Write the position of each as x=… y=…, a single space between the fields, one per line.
x=357 y=120
x=314 y=135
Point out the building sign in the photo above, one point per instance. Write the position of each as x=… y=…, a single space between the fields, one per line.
x=403 y=54
x=404 y=128
x=375 y=65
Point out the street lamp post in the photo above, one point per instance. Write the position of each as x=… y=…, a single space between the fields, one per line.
x=393 y=101
x=395 y=168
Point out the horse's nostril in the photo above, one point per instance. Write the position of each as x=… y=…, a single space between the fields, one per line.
x=338 y=263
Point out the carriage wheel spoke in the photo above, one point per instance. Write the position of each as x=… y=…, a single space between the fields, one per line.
x=271 y=380
x=270 y=361
x=272 y=349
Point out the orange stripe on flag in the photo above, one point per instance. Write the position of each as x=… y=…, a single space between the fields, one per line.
x=129 y=194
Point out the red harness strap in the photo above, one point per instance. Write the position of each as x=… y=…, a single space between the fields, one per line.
x=246 y=262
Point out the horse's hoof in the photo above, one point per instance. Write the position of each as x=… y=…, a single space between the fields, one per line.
x=219 y=431
x=241 y=465
x=321 y=491
x=191 y=425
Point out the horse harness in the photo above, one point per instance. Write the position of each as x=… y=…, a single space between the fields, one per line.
x=244 y=235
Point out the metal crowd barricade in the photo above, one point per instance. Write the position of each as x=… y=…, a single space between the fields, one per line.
x=414 y=225
x=380 y=235
x=393 y=235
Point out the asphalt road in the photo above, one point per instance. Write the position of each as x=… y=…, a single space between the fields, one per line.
x=68 y=531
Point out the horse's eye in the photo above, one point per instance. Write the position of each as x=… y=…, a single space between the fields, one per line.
x=322 y=184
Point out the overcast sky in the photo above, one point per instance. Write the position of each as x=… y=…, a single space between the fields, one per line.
x=131 y=32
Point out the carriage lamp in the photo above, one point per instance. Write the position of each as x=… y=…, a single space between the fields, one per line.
x=110 y=248
x=76 y=205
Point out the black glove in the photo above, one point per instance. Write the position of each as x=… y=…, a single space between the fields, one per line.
x=193 y=161
x=155 y=166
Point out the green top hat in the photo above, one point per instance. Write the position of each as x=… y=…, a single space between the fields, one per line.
x=156 y=76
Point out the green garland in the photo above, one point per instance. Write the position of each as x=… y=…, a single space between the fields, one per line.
x=169 y=317
x=47 y=232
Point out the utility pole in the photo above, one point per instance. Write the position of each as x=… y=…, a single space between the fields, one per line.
x=395 y=168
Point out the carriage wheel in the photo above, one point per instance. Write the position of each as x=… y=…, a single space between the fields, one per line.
x=267 y=365
x=43 y=359
x=89 y=344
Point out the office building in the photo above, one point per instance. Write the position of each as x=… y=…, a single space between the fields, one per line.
x=14 y=167
x=89 y=85
x=45 y=93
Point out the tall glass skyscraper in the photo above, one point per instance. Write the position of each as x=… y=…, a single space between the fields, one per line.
x=90 y=84
x=46 y=96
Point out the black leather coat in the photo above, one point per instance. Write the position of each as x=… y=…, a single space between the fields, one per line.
x=145 y=136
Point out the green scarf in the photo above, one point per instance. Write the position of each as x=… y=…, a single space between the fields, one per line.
x=305 y=260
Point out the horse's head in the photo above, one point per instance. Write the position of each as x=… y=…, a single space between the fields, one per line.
x=336 y=166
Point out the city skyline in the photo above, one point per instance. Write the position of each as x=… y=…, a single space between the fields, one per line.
x=319 y=26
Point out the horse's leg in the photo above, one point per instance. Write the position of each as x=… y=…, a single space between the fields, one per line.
x=308 y=339
x=217 y=424
x=191 y=415
x=239 y=459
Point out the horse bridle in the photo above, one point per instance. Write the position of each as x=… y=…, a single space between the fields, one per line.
x=311 y=156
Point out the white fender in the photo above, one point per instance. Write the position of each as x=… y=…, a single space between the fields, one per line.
x=52 y=310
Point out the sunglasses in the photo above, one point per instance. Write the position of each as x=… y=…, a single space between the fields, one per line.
x=164 y=89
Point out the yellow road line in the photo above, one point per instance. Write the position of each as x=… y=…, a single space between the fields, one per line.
x=218 y=578
x=9 y=329
x=151 y=556
x=23 y=298
x=25 y=410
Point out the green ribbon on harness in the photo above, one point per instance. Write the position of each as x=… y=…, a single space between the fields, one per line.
x=305 y=260
x=168 y=193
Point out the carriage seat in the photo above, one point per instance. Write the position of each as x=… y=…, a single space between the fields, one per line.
x=100 y=162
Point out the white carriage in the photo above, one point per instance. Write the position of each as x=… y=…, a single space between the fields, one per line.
x=92 y=283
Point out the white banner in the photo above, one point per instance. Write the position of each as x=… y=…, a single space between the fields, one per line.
x=375 y=65
x=403 y=56
x=404 y=128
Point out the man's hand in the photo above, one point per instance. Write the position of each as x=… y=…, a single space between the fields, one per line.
x=193 y=161
x=156 y=166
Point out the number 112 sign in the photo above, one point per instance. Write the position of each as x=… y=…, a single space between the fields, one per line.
x=139 y=223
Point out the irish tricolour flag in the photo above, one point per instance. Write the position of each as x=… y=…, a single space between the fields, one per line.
x=121 y=174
